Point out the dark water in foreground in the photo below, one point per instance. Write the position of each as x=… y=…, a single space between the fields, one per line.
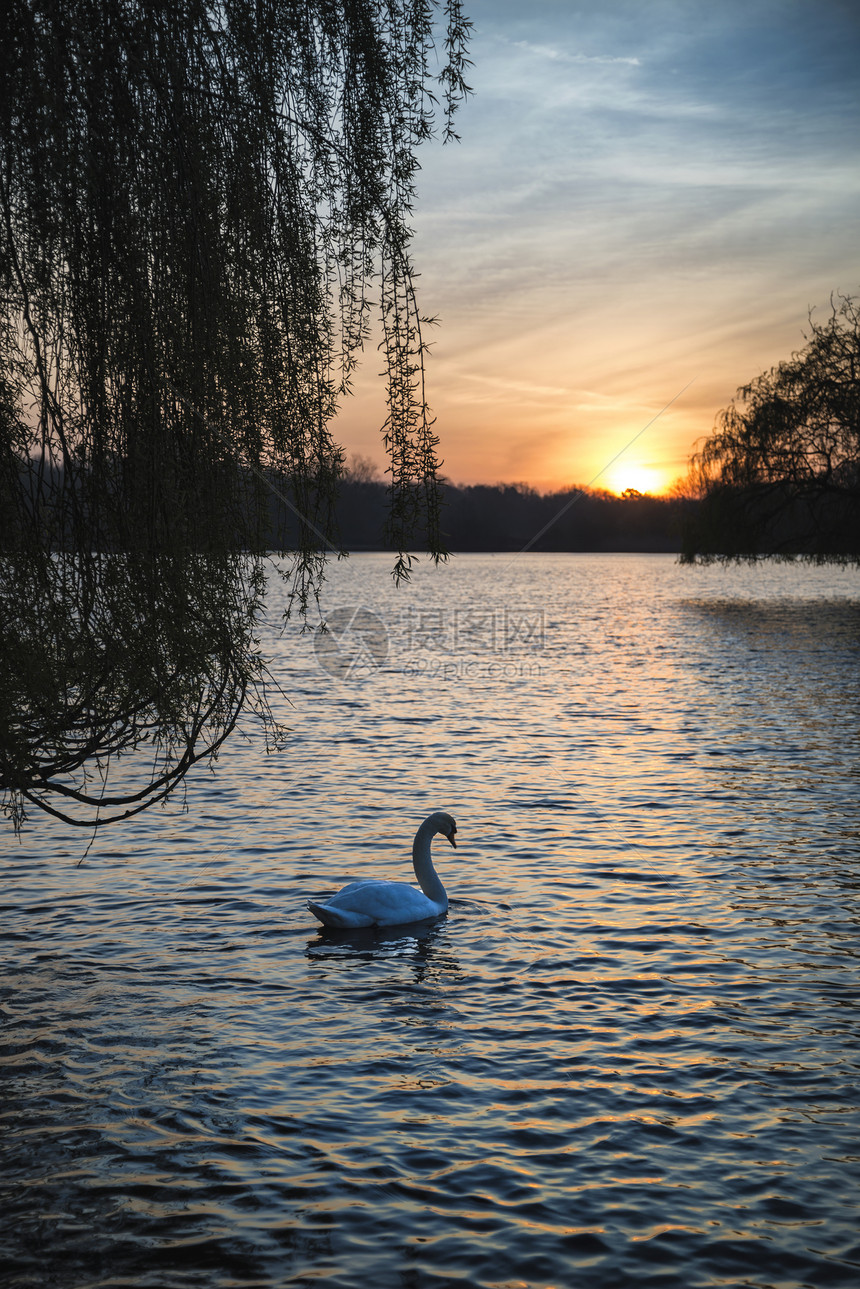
x=629 y=1054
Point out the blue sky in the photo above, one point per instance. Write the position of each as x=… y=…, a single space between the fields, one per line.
x=644 y=195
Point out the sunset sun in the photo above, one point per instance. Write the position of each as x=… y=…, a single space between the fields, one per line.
x=642 y=478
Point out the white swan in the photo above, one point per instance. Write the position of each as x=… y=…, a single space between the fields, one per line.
x=380 y=903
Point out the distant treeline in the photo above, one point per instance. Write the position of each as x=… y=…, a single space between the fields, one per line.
x=514 y=517
x=474 y=518
x=505 y=517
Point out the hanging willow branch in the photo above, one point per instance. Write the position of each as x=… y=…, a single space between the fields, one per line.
x=199 y=204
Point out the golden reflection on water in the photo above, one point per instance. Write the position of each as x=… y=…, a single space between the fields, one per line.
x=624 y=1053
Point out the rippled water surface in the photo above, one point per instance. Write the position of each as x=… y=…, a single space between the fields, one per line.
x=627 y=1056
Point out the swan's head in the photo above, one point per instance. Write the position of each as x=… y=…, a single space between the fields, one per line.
x=446 y=825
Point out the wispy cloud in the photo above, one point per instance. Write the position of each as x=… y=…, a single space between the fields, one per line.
x=503 y=386
x=557 y=55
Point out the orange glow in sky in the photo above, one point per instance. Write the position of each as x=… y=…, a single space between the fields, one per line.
x=632 y=474
x=636 y=204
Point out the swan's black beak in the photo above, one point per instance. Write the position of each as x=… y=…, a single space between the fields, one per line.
x=452 y=841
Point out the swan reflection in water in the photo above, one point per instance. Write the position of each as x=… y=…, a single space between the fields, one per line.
x=417 y=940
x=379 y=903
x=418 y=954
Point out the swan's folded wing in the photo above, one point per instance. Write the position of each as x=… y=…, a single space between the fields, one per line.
x=376 y=903
x=330 y=915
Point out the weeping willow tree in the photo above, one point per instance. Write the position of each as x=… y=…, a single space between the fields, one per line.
x=205 y=210
x=780 y=476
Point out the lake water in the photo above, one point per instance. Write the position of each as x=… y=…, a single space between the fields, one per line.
x=628 y=1056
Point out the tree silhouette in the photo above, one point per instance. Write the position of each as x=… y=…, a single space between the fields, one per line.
x=780 y=477
x=200 y=203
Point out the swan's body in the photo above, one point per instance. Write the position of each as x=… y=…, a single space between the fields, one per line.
x=381 y=903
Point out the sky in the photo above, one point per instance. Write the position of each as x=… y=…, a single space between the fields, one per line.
x=647 y=200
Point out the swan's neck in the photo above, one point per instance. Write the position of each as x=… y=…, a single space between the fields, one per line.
x=423 y=865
